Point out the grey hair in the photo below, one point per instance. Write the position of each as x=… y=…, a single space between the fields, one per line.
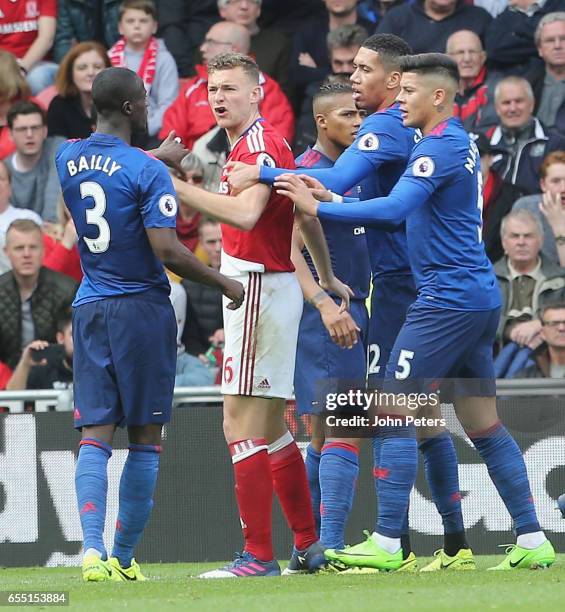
x=348 y=35
x=549 y=18
x=521 y=214
x=192 y=162
x=514 y=80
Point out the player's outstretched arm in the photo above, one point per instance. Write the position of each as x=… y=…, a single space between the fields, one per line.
x=348 y=170
x=387 y=212
x=241 y=211
x=181 y=261
x=340 y=325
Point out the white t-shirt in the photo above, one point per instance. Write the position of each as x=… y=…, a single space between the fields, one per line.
x=11 y=214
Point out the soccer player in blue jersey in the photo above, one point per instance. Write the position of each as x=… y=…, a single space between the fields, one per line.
x=123 y=205
x=379 y=154
x=449 y=330
x=332 y=464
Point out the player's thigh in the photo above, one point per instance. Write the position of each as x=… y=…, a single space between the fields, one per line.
x=432 y=343
x=143 y=342
x=253 y=417
x=322 y=367
x=390 y=300
x=95 y=389
x=261 y=337
x=145 y=434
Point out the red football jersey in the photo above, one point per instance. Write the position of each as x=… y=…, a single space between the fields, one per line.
x=268 y=243
x=18 y=23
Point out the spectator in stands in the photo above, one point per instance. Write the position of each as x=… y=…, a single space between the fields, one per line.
x=31 y=296
x=13 y=87
x=270 y=47
x=427 y=24
x=9 y=213
x=548 y=77
x=60 y=245
x=70 y=113
x=526 y=278
x=204 y=323
x=342 y=44
x=191 y=371
x=190 y=115
x=140 y=51
x=212 y=150
x=33 y=176
x=27 y=29
x=47 y=366
x=310 y=62
x=549 y=357
x=521 y=136
x=85 y=20
x=509 y=41
x=474 y=103
x=188 y=219
x=549 y=206
x=494 y=7
x=183 y=25
x=498 y=198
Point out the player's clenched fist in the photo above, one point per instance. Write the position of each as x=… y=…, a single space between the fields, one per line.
x=234 y=291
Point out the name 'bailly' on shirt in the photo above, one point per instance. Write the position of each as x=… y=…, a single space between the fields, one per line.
x=94 y=162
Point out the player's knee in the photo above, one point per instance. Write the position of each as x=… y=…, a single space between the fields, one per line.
x=145 y=434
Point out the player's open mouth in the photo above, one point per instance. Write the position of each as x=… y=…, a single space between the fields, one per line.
x=220 y=111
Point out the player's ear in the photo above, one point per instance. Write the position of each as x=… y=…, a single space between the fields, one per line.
x=440 y=97
x=257 y=94
x=393 y=79
x=321 y=122
x=127 y=108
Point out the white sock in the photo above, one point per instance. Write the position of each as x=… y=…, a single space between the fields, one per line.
x=93 y=552
x=531 y=540
x=391 y=545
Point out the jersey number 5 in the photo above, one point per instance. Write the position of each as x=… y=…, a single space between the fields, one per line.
x=95 y=216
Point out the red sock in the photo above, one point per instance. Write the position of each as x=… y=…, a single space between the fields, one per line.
x=254 y=493
x=291 y=487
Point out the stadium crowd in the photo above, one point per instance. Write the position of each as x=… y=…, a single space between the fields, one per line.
x=511 y=59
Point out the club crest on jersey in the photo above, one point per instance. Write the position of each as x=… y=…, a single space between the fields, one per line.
x=423 y=166
x=369 y=142
x=168 y=205
x=264 y=159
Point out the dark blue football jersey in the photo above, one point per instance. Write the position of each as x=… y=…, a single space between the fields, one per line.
x=113 y=192
x=440 y=198
x=346 y=243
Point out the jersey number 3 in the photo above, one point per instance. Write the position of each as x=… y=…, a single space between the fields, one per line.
x=95 y=216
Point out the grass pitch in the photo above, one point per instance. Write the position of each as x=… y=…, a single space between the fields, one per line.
x=174 y=587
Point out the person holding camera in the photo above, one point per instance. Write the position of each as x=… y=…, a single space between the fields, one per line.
x=44 y=365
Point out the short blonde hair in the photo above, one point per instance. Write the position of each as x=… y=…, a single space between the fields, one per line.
x=227 y=61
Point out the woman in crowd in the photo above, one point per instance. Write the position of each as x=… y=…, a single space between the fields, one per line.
x=70 y=113
x=13 y=87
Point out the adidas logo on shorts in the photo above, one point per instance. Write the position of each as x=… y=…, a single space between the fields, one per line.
x=263 y=384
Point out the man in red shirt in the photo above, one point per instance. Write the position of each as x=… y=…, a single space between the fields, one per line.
x=27 y=29
x=260 y=344
x=190 y=115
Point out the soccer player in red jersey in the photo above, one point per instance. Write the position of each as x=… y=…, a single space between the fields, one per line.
x=260 y=345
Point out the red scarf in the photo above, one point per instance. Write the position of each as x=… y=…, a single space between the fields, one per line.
x=147 y=67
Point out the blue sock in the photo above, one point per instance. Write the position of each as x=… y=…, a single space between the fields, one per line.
x=313 y=474
x=440 y=466
x=507 y=470
x=397 y=470
x=339 y=468
x=91 y=484
x=137 y=485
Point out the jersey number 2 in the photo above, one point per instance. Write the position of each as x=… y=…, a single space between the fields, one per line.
x=95 y=216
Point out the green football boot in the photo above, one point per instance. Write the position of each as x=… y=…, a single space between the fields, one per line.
x=526 y=558
x=367 y=554
x=462 y=561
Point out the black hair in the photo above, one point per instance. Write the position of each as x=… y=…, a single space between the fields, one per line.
x=332 y=88
x=114 y=86
x=438 y=64
x=389 y=47
x=25 y=107
x=64 y=318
